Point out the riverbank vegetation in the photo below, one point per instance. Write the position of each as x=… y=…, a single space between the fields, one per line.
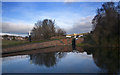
x=105 y=30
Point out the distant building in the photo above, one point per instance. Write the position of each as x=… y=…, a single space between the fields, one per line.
x=19 y=38
x=10 y=37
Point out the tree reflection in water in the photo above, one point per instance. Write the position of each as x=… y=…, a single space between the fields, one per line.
x=106 y=58
x=47 y=59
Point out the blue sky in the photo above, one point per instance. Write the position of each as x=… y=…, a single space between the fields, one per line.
x=75 y=17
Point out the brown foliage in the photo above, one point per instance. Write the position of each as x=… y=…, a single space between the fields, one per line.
x=45 y=30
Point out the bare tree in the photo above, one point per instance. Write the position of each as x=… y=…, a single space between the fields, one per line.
x=45 y=30
x=60 y=32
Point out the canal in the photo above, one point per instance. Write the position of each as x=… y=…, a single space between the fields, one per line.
x=63 y=59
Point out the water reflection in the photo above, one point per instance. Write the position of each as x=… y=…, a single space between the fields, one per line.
x=105 y=58
x=99 y=60
x=47 y=59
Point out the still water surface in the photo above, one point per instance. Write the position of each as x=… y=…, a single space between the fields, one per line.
x=63 y=60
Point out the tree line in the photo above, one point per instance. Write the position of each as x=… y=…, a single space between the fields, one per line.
x=46 y=29
x=106 y=26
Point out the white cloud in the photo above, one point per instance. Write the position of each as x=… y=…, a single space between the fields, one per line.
x=63 y=19
x=69 y=20
x=81 y=25
x=70 y=0
x=8 y=27
x=70 y=23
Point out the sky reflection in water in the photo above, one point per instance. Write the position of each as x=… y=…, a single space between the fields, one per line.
x=87 y=61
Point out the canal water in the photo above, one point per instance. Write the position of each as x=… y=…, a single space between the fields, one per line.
x=63 y=59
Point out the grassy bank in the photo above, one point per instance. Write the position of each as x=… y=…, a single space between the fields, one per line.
x=82 y=44
x=11 y=43
x=91 y=45
x=8 y=43
x=85 y=45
